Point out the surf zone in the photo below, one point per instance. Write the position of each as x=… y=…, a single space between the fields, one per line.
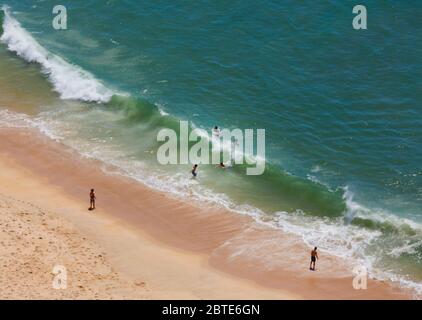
x=219 y=146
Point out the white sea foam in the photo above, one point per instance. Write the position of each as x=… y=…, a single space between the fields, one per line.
x=316 y=169
x=70 y=81
x=161 y=110
x=355 y=209
x=9 y=119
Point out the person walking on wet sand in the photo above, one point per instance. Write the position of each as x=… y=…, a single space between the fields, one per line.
x=92 y=199
x=314 y=257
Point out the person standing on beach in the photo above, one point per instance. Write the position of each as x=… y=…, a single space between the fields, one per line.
x=92 y=199
x=194 y=173
x=314 y=257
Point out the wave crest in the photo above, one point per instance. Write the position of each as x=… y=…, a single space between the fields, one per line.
x=70 y=81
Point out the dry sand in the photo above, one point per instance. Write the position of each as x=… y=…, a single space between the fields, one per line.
x=34 y=241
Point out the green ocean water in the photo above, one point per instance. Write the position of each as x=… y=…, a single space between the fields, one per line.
x=341 y=108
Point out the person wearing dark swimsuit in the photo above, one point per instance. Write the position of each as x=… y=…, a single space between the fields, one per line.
x=92 y=199
x=314 y=257
x=194 y=173
x=221 y=165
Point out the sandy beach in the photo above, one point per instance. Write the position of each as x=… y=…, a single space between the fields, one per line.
x=140 y=243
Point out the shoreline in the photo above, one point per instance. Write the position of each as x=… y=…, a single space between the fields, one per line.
x=226 y=253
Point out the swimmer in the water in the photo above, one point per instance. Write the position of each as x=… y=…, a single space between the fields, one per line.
x=216 y=131
x=221 y=165
x=194 y=173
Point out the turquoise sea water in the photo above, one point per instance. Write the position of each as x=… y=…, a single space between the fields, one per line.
x=341 y=108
